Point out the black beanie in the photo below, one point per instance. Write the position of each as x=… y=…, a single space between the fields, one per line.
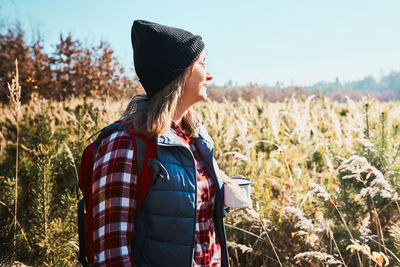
x=161 y=53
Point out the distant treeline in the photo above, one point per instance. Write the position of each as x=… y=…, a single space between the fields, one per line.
x=386 y=88
x=79 y=71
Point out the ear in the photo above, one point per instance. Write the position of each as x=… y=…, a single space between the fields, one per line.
x=188 y=73
x=190 y=69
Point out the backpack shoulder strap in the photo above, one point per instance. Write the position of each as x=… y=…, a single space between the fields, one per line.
x=144 y=149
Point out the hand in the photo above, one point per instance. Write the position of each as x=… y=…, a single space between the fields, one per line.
x=252 y=190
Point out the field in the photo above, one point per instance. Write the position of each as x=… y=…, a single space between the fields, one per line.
x=325 y=174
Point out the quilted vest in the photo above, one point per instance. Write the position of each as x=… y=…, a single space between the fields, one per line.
x=164 y=233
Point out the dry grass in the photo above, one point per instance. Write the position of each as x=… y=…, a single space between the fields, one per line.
x=326 y=174
x=15 y=97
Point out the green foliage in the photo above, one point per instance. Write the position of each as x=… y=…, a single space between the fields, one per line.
x=50 y=149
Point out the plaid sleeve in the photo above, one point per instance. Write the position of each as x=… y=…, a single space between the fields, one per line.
x=114 y=187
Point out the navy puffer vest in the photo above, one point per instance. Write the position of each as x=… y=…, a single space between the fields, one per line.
x=164 y=233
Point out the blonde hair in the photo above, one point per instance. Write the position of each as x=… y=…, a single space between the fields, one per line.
x=153 y=116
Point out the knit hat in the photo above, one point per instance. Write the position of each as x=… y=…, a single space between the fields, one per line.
x=161 y=53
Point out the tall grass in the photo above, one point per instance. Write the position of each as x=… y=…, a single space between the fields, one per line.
x=319 y=168
x=326 y=177
x=15 y=98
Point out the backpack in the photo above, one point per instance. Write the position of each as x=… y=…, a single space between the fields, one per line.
x=144 y=149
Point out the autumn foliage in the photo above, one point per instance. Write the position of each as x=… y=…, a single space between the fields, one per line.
x=71 y=70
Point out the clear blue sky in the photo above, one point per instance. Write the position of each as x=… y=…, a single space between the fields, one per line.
x=295 y=42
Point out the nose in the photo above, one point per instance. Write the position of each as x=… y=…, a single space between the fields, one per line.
x=209 y=77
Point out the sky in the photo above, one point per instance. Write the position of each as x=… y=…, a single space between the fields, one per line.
x=255 y=41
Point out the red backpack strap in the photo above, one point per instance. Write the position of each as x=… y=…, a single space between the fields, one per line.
x=145 y=148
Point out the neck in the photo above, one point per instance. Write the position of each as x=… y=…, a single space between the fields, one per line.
x=181 y=109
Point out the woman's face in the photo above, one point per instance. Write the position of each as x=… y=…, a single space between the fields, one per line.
x=194 y=89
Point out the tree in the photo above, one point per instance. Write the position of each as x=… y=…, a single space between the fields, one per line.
x=71 y=71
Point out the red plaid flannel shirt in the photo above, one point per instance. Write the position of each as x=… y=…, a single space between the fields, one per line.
x=114 y=188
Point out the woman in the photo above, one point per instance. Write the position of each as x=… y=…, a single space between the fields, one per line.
x=180 y=222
